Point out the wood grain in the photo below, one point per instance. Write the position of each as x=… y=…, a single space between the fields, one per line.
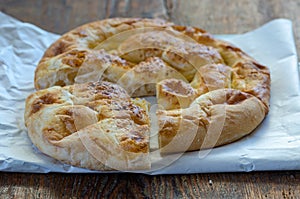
x=234 y=185
x=216 y=16
x=234 y=16
x=56 y=16
x=59 y=16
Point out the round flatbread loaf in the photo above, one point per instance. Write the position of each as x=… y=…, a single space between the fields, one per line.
x=209 y=92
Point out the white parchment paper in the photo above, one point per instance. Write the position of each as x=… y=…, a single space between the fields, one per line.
x=275 y=145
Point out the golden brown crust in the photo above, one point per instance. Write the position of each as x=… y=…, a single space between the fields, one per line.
x=186 y=49
x=62 y=120
x=215 y=118
x=212 y=91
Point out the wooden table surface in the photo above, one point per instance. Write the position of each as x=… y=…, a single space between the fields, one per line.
x=216 y=16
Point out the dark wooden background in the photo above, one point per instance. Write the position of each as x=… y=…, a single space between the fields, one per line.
x=216 y=16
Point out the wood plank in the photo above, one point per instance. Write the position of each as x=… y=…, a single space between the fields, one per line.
x=231 y=17
x=56 y=16
x=227 y=17
x=137 y=8
x=59 y=16
x=233 y=185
